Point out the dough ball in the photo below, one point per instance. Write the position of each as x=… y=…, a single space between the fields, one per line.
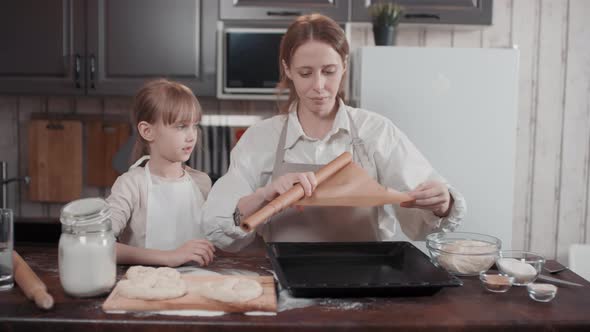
x=148 y=283
x=232 y=290
x=131 y=290
x=168 y=272
x=139 y=272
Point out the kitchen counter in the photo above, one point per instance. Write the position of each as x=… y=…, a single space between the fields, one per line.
x=39 y=229
x=467 y=308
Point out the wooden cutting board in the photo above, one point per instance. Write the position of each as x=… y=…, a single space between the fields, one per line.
x=55 y=160
x=192 y=301
x=104 y=140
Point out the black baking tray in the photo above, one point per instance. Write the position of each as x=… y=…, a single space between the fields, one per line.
x=356 y=269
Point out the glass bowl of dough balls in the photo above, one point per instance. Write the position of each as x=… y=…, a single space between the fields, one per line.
x=524 y=266
x=462 y=253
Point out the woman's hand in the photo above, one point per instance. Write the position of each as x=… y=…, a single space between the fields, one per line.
x=432 y=196
x=284 y=183
x=200 y=251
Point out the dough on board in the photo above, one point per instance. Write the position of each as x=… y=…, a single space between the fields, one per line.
x=148 y=283
x=232 y=290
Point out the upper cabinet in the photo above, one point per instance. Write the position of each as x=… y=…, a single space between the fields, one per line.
x=130 y=41
x=106 y=47
x=111 y=47
x=281 y=10
x=42 y=46
x=455 y=12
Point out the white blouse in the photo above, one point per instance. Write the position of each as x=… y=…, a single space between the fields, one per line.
x=396 y=164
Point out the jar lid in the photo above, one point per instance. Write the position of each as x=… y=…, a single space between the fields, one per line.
x=86 y=215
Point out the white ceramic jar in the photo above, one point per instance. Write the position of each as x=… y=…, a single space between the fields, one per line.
x=87 y=260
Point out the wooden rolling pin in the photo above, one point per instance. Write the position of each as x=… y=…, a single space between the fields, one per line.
x=30 y=283
x=294 y=194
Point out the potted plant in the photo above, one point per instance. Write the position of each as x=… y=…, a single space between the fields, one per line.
x=385 y=16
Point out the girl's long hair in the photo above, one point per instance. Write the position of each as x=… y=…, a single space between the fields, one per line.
x=163 y=100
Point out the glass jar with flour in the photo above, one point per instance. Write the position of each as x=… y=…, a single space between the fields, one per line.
x=87 y=260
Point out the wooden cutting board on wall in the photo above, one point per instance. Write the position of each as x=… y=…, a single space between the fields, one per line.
x=55 y=160
x=193 y=301
x=104 y=140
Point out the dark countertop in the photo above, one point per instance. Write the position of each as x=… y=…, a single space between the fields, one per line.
x=466 y=308
x=37 y=220
x=37 y=229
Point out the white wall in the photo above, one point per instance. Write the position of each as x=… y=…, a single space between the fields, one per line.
x=552 y=183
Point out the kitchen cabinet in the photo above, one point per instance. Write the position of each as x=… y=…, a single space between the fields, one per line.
x=42 y=47
x=130 y=41
x=106 y=47
x=454 y=12
x=281 y=10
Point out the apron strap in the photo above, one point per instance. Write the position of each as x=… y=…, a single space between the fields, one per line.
x=358 y=145
x=280 y=154
x=148 y=176
x=140 y=161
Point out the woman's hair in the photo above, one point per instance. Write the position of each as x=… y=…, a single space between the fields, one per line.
x=307 y=28
x=166 y=101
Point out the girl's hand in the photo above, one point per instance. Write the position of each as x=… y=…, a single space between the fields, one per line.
x=286 y=182
x=200 y=251
x=432 y=196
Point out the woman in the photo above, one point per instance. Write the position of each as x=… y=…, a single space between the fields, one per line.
x=314 y=129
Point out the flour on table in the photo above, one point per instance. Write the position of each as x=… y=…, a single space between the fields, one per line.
x=288 y=302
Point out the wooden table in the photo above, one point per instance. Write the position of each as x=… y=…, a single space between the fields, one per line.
x=467 y=308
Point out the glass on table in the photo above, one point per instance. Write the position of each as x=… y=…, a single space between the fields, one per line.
x=6 y=245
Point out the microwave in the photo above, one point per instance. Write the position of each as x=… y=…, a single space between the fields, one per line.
x=248 y=62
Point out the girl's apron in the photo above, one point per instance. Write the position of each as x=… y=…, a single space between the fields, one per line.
x=173 y=213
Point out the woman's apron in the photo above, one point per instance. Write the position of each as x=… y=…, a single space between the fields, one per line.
x=324 y=223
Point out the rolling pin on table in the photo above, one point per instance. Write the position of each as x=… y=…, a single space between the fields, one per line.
x=30 y=283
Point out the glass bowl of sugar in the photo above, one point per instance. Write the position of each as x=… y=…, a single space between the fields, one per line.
x=524 y=266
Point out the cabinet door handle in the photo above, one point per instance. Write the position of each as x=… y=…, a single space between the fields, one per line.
x=92 y=70
x=422 y=16
x=77 y=71
x=283 y=13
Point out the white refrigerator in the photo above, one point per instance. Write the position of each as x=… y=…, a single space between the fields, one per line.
x=459 y=107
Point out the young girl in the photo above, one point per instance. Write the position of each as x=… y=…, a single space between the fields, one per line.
x=156 y=206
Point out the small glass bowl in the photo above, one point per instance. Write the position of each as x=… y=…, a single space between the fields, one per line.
x=524 y=266
x=541 y=292
x=496 y=282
